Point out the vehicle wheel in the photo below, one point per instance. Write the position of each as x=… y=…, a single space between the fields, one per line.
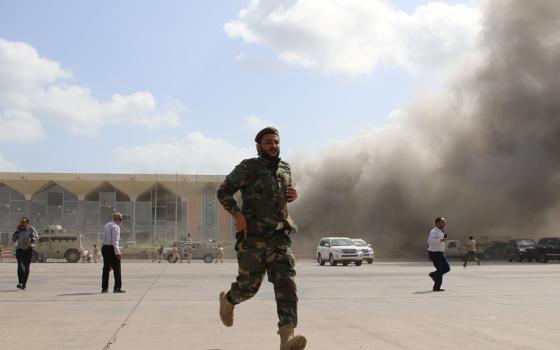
x=519 y=258
x=34 y=256
x=529 y=259
x=208 y=258
x=345 y=263
x=358 y=262
x=370 y=261
x=320 y=260
x=171 y=260
x=510 y=259
x=332 y=261
x=542 y=258
x=72 y=256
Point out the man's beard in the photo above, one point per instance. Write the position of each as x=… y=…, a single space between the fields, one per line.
x=266 y=155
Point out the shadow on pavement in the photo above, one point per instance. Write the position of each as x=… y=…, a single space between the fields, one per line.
x=73 y=294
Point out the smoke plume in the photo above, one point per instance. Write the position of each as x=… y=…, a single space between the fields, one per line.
x=484 y=152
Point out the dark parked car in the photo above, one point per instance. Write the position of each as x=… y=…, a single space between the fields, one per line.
x=548 y=248
x=521 y=249
x=495 y=250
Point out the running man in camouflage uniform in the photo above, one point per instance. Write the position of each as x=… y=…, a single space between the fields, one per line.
x=263 y=242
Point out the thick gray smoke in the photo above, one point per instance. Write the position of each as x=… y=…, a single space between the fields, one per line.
x=485 y=152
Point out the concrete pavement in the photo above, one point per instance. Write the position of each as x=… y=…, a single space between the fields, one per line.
x=386 y=305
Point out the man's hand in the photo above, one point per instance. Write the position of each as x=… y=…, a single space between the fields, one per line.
x=241 y=223
x=291 y=194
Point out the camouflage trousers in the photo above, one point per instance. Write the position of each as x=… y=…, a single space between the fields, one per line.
x=272 y=255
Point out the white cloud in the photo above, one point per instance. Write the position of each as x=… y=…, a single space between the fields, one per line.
x=6 y=165
x=195 y=153
x=39 y=88
x=20 y=127
x=23 y=69
x=355 y=36
x=255 y=123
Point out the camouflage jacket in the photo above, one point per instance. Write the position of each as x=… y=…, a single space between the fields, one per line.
x=263 y=185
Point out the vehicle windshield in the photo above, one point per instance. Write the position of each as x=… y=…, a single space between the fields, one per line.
x=526 y=242
x=341 y=242
x=360 y=243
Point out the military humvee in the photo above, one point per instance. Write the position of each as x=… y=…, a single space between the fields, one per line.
x=200 y=251
x=55 y=243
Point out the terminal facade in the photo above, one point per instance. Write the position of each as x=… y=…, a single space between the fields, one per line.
x=157 y=208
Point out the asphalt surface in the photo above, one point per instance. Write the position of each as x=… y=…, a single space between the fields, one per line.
x=386 y=305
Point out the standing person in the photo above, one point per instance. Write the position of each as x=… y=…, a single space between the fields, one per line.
x=25 y=236
x=189 y=250
x=95 y=253
x=112 y=254
x=263 y=242
x=471 y=252
x=175 y=252
x=436 y=246
x=220 y=255
x=160 y=253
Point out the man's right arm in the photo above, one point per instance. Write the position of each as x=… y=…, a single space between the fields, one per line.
x=233 y=182
x=434 y=238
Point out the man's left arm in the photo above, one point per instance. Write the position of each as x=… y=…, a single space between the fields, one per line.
x=115 y=236
x=291 y=194
x=291 y=191
x=34 y=235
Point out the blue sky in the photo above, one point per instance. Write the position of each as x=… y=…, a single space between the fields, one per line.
x=196 y=79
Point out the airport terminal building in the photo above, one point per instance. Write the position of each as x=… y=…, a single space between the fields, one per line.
x=156 y=207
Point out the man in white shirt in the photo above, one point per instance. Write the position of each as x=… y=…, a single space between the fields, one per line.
x=436 y=246
x=112 y=254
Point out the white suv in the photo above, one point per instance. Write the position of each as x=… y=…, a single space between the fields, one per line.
x=367 y=250
x=338 y=249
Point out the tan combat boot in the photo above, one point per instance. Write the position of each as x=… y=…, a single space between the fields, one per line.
x=226 y=310
x=290 y=342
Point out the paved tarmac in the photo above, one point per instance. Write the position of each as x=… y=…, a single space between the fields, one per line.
x=386 y=305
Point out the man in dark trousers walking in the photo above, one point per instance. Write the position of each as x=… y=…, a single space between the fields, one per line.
x=436 y=247
x=112 y=254
x=25 y=236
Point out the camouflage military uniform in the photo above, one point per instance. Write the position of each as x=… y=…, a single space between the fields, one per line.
x=267 y=249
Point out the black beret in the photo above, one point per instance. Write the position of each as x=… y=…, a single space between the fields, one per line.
x=266 y=131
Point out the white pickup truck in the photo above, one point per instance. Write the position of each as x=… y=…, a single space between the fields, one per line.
x=338 y=249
